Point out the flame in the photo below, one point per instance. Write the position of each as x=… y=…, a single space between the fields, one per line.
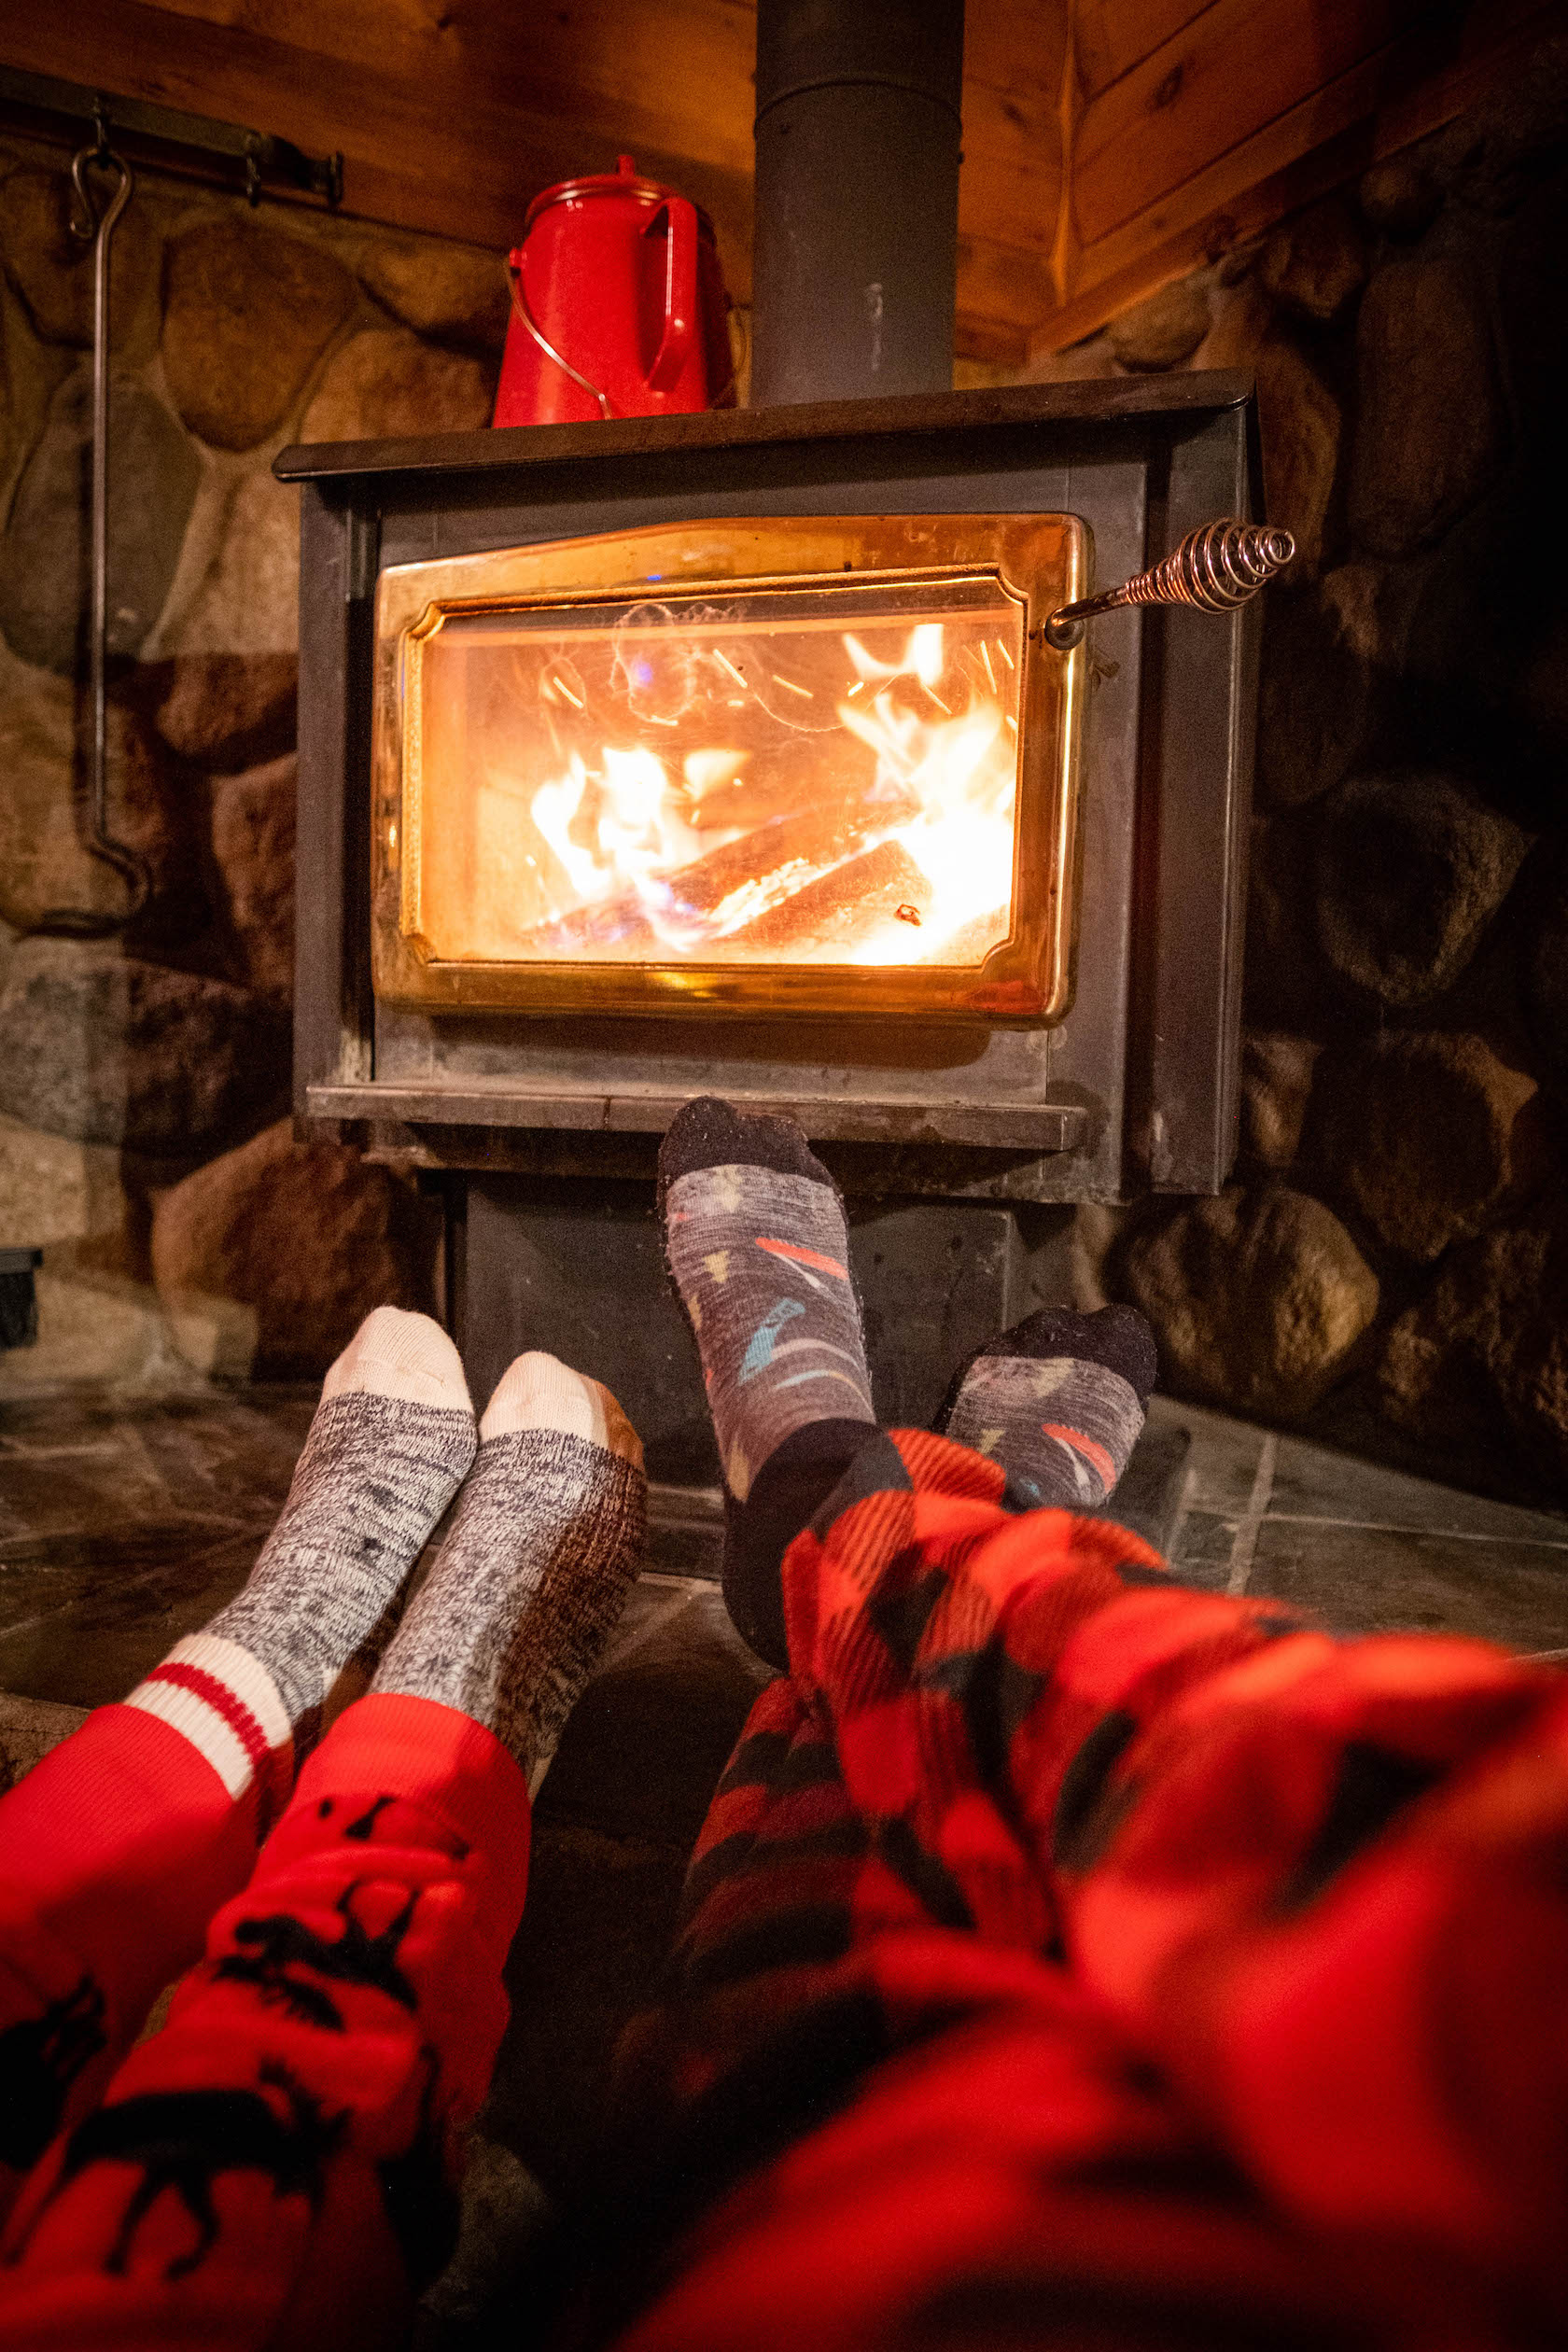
x=639 y=838
x=963 y=769
x=617 y=819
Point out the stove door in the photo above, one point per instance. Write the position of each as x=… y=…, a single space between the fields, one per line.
x=750 y=767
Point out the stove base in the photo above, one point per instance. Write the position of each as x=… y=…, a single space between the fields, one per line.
x=575 y=1268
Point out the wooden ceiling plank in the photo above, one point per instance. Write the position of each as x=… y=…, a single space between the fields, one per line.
x=126 y=47
x=674 y=72
x=1382 y=106
x=983 y=339
x=1240 y=67
x=1368 y=92
x=1010 y=186
x=1014 y=45
x=1111 y=36
x=1004 y=284
x=401 y=163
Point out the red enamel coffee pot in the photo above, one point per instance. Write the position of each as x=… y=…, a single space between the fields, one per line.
x=619 y=308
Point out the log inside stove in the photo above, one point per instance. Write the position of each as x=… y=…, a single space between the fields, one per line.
x=820 y=878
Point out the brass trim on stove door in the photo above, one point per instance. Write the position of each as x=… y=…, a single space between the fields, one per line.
x=1037 y=562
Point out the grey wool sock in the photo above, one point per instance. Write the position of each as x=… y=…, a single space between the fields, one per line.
x=758 y=1252
x=1058 y=1401
x=544 y=1546
x=392 y=1439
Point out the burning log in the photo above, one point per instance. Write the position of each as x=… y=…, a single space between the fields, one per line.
x=840 y=910
x=780 y=781
x=812 y=841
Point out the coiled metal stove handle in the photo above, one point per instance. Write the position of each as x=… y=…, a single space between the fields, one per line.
x=1214 y=568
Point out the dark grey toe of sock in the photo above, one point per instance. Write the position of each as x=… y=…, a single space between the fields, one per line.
x=706 y=1132
x=1116 y=1337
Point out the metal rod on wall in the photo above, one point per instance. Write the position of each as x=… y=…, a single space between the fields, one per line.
x=261 y=157
x=80 y=922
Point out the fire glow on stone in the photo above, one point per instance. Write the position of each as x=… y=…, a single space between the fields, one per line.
x=748 y=784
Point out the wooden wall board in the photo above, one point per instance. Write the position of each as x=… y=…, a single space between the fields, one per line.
x=1010 y=186
x=1238 y=66
x=1111 y=36
x=1408 y=86
x=432 y=134
x=1109 y=145
x=677 y=75
x=998 y=282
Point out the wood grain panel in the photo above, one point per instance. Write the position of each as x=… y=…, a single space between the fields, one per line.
x=676 y=75
x=1111 y=36
x=999 y=283
x=418 y=153
x=1010 y=186
x=1012 y=44
x=1399 y=94
x=1238 y=66
x=1108 y=143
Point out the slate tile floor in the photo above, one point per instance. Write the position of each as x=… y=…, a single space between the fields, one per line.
x=125 y=1523
x=1367 y=1548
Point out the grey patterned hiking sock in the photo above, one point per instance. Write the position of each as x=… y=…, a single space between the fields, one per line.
x=389 y=1446
x=1058 y=1401
x=544 y=1548
x=758 y=1252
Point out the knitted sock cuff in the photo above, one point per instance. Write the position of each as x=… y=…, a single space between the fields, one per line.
x=785 y=1495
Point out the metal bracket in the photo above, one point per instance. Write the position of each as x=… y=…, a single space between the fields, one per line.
x=258 y=157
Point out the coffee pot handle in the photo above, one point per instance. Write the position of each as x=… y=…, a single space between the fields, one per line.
x=681 y=289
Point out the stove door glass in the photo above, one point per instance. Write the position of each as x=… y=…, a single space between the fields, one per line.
x=787 y=777
x=801 y=763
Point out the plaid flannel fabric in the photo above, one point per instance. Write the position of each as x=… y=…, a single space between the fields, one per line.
x=1070 y=1957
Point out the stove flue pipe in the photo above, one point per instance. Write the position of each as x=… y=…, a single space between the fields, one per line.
x=857 y=198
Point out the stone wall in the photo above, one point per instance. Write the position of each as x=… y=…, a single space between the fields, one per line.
x=143 y=1078
x=1393 y=1261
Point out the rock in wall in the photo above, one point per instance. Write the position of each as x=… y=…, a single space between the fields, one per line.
x=138 y=1072
x=1393 y=1254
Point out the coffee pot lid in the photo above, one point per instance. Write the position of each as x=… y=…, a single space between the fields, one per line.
x=623 y=181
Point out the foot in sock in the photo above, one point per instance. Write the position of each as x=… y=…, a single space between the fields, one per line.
x=543 y=1548
x=757 y=1250
x=1057 y=1401
x=391 y=1441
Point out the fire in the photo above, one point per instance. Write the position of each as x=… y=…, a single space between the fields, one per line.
x=964 y=772
x=640 y=833
x=733 y=793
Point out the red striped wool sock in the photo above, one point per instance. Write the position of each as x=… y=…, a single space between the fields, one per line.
x=118 y=1848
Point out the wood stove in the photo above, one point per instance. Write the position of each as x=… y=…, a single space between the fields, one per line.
x=729 y=753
